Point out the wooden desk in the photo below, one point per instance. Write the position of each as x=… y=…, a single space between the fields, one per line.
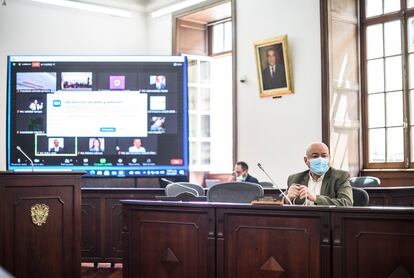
x=35 y=247
x=391 y=196
x=101 y=215
x=102 y=222
x=178 y=239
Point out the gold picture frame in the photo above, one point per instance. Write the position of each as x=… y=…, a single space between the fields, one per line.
x=273 y=67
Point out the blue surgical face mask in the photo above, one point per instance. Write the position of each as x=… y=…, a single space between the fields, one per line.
x=319 y=165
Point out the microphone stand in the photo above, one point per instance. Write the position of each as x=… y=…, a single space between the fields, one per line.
x=273 y=182
x=31 y=161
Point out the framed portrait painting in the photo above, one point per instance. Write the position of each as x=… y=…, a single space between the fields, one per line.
x=273 y=67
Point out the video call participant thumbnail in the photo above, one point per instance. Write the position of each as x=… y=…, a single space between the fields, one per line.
x=35 y=105
x=56 y=147
x=159 y=81
x=157 y=124
x=136 y=146
x=96 y=144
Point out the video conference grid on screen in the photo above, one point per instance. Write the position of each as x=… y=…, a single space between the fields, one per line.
x=108 y=115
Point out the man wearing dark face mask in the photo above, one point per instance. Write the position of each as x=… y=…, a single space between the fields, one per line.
x=321 y=184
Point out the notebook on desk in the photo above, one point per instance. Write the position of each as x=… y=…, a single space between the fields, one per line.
x=210 y=182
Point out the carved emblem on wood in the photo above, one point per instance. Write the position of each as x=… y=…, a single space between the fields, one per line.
x=39 y=214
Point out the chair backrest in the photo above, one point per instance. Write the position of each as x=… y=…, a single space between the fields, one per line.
x=234 y=192
x=361 y=197
x=174 y=189
x=365 y=181
x=266 y=184
x=185 y=196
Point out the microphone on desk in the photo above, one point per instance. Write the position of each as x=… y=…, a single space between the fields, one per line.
x=182 y=185
x=31 y=161
x=274 y=184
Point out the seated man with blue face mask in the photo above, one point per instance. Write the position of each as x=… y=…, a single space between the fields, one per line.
x=321 y=184
x=241 y=173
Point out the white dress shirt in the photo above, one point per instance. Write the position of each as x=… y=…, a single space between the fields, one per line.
x=272 y=70
x=315 y=186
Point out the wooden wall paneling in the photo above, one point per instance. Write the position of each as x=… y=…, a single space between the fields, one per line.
x=391 y=178
x=39 y=243
x=96 y=182
x=378 y=199
x=254 y=240
x=122 y=183
x=101 y=222
x=269 y=241
x=367 y=244
x=147 y=183
x=325 y=81
x=326 y=246
x=91 y=228
x=391 y=196
x=168 y=242
x=402 y=200
x=126 y=236
x=102 y=230
x=113 y=238
x=220 y=244
x=51 y=249
x=191 y=38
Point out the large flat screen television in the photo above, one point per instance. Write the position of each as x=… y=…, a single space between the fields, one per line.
x=105 y=115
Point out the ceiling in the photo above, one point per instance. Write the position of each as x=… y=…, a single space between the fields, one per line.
x=212 y=14
x=136 y=5
x=147 y=6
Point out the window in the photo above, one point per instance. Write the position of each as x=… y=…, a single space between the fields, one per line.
x=210 y=104
x=210 y=113
x=205 y=37
x=388 y=83
x=221 y=37
x=199 y=110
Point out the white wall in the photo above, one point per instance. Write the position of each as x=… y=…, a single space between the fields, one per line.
x=272 y=131
x=276 y=132
x=31 y=28
x=159 y=35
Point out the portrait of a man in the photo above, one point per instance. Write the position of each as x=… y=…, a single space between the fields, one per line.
x=273 y=67
x=273 y=75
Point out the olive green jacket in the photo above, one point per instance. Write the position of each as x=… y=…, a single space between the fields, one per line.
x=335 y=190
